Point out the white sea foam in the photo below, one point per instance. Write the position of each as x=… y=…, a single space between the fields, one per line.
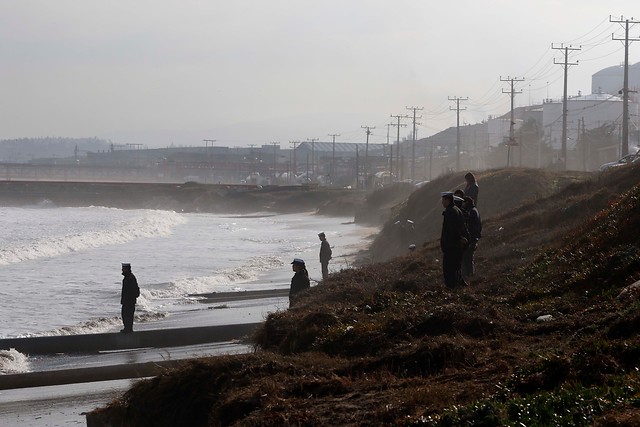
x=13 y=362
x=146 y=223
x=226 y=279
x=101 y=325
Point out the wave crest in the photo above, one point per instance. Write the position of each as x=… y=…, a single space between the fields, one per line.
x=151 y=223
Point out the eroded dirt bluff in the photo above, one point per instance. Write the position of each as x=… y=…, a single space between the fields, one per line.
x=419 y=219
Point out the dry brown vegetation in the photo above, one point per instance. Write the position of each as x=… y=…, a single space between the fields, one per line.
x=387 y=344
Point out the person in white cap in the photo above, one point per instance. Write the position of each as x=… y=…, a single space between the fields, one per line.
x=130 y=292
x=299 y=281
x=325 y=255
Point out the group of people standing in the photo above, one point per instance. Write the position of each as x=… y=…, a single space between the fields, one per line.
x=461 y=231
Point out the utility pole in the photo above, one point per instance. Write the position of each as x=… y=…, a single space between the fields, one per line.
x=457 y=99
x=313 y=156
x=333 y=154
x=413 y=142
x=512 y=92
x=625 y=86
x=275 y=160
x=398 y=125
x=295 y=164
x=366 y=155
x=565 y=65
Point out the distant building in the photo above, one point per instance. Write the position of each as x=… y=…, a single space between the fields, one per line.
x=610 y=80
x=595 y=110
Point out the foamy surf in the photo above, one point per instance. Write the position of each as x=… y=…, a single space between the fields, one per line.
x=13 y=362
x=146 y=223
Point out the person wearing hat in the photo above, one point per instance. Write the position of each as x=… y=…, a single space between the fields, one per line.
x=299 y=281
x=130 y=292
x=453 y=240
x=325 y=255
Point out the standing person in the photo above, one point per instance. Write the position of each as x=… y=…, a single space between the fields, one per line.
x=472 y=188
x=299 y=281
x=474 y=225
x=453 y=240
x=130 y=291
x=325 y=255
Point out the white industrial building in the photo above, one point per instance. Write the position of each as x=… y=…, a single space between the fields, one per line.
x=593 y=110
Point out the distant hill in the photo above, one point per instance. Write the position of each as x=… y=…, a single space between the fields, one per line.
x=24 y=150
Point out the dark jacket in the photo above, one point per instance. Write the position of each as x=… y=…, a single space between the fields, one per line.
x=474 y=225
x=472 y=190
x=130 y=289
x=299 y=282
x=325 y=251
x=453 y=229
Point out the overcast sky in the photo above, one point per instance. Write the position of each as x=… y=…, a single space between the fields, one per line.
x=255 y=72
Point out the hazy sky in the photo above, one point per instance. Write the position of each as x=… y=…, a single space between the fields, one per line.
x=255 y=72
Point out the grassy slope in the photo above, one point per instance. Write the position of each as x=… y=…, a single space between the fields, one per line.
x=386 y=344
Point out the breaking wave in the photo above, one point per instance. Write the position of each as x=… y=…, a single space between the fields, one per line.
x=146 y=223
x=229 y=279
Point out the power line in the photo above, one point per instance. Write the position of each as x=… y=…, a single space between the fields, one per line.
x=625 y=86
x=512 y=92
x=457 y=99
x=399 y=166
x=366 y=155
x=333 y=152
x=565 y=65
x=413 y=142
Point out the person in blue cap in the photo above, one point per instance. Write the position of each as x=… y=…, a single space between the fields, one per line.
x=130 y=292
x=299 y=281
x=453 y=240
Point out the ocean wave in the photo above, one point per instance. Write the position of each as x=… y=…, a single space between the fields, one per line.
x=224 y=280
x=13 y=362
x=150 y=223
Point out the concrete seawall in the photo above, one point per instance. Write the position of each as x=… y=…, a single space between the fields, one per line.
x=93 y=343
x=87 y=375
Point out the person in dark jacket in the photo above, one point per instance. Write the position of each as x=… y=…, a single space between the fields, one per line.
x=299 y=281
x=472 y=188
x=325 y=255
x=130 y=292
x=474 y=225
x=453 y=240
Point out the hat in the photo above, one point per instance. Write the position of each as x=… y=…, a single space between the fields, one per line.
x=321 y=234
x=458 y=199
x=126 y=265
x=447 y=195
x=298 y=261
